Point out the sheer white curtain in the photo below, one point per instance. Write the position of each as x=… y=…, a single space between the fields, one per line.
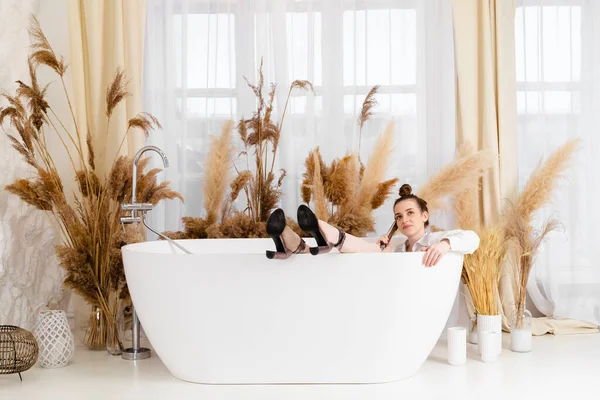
x=558 y=84
x=197 y=52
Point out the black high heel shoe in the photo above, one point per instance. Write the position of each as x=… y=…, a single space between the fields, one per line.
x=275 y=227
x=310 y=224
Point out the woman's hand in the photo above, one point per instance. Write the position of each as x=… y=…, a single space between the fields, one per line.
x=383 y=240
x=435 y=252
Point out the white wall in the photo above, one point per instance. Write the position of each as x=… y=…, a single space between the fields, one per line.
x=29 y=273
x=54 y=20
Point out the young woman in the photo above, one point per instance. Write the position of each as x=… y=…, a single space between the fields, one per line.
x=411 y=217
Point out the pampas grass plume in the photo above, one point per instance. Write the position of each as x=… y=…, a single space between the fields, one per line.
x=318 y=190
x=456 y=177
x=217 y=167
x=376 y=167
x=544 y=179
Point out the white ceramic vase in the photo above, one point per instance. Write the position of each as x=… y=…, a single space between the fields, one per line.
x=492 y=323
x=55 y=339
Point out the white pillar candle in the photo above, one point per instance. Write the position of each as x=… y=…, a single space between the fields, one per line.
x=520 y=340
x=457 y=345
x=488 y=344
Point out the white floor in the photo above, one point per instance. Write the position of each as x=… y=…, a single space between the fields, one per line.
x=558 y=365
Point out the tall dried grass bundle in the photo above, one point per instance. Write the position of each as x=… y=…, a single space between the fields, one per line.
x=89 y=222
x=260 y=137
x=376 y=167
x=524 y=241
x=352 y=191
x=217 y=167
x=458 y=178
x=544 y=179
x=481 y=270
x=319 y=190
x=523 y=238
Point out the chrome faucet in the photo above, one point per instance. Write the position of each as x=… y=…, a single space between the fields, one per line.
x=134 y=207
x=135 y=161
x=136 y=352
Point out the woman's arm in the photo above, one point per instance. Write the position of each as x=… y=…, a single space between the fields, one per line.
x=464 y=242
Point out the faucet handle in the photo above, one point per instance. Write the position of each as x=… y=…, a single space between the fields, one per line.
x=130 y=220
x=137 y=207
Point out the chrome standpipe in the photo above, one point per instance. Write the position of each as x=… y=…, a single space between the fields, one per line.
x=135 y=352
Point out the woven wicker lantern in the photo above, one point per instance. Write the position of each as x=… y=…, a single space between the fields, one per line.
x=18 y=350
x=55 y=340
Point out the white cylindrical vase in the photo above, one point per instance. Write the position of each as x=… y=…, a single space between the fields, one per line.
x=55 y=339
x=488 y=344
x=457 y=345
x=491 y=323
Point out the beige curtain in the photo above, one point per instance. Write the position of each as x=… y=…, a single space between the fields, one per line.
x=487 y=117
x=486 y=91
x=105 y=36
x=486 y=102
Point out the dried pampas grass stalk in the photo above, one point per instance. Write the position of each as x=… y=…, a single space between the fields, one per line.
x=346 y=192
x=544 y=179
x=481 y=270
x=217 y=167
x=239 y=183
x=376 y=167
x=260 y=133
x=366 y=111
x=466 y=211
x=524 y=240
x=459 y=176
x=318 y=190
x=465 y=207
x=351 y=180
x=116 y=92
x=368 y=104
x=384 y=189
x=523 y=244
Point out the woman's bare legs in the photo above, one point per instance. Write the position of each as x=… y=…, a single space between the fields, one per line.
x=352 y=244
x=292 y=241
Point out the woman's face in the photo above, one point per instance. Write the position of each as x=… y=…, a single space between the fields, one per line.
x=409 y=218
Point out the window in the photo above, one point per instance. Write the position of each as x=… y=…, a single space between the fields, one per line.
x=548 y=62
x=206 y=47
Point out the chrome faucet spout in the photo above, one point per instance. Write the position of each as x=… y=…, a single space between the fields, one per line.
x=135 y=161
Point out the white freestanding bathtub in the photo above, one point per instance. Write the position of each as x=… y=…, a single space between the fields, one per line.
x=228 y=315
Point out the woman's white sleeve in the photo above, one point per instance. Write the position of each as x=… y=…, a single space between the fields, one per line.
x=464 y=242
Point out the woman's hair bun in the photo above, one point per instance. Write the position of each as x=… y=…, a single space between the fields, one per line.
x=405 y=190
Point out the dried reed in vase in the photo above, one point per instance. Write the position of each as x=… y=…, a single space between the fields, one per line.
x=88 y=220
